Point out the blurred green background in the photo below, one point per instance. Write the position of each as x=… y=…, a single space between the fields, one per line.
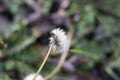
x=25 y=27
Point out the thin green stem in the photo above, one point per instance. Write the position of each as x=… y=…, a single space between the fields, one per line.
x=40 y=68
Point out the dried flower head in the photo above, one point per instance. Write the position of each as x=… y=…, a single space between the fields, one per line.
x=60 y=40
x=31 y=76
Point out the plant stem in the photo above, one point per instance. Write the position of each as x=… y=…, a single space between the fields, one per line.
x=40 y=68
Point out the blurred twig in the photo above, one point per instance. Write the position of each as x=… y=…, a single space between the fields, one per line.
x=111 y=73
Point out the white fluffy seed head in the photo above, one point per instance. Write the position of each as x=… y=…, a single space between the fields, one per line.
x=60 y=40
x=31 y=76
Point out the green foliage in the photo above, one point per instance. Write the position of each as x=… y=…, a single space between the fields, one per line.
x=96 y=37
x=87 y=54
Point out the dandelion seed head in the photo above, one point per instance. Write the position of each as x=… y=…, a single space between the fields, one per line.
x=60 y=40
x=31 y=76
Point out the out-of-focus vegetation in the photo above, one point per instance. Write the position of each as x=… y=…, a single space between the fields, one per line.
x=24 y=38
